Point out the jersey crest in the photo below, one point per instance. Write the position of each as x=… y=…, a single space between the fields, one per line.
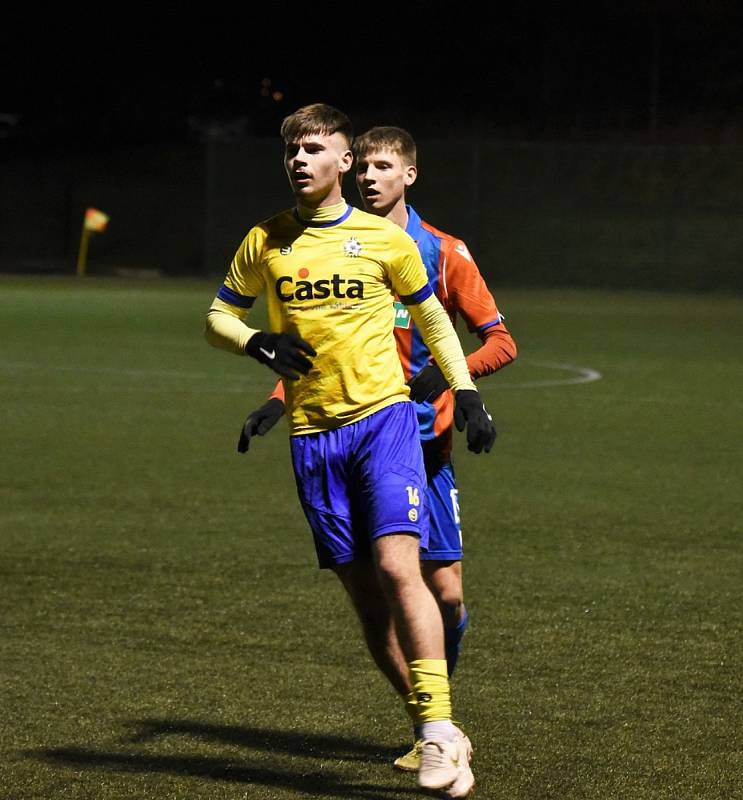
x=352 y=247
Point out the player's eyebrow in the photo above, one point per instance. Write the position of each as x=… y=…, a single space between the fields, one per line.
x=313 y=139
x=307 y=143
x=368 y=158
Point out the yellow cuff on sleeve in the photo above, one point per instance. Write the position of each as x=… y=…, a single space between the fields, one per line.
x=441 y=338
x=225 y=328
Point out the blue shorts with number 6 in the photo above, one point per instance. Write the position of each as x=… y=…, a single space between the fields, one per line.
x=362 y=481
x=445 y=532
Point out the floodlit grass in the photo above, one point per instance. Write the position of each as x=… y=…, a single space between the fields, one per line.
x=166 y=634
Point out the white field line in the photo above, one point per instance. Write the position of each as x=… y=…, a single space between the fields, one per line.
x=18 y=366
x=579 y=375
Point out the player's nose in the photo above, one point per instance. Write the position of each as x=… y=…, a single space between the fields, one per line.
x=300 y=157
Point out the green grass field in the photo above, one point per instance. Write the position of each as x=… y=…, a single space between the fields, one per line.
x=166 y=634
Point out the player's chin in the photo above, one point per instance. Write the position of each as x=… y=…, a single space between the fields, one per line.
x=376 y=203
x=306 y=196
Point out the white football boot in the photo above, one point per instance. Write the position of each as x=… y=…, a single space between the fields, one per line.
x=446 y=765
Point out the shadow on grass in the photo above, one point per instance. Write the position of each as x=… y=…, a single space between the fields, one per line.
x=296 y=743
x=322 y=783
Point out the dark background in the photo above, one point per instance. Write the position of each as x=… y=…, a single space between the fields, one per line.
x=663 y=70
x=635 y=104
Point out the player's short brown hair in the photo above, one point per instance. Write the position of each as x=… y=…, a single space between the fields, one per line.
x=316 y=118
x=387 y=137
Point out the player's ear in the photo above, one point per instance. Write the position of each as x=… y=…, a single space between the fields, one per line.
x=410 y=174
x=345 y=162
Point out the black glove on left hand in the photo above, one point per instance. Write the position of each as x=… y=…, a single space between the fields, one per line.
x=260 y=422
x=428 y=384
x=470 y=411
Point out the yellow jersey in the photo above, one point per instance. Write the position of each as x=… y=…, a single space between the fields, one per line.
x=332 y=284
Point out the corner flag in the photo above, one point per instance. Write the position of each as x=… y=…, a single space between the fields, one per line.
x=95 y=221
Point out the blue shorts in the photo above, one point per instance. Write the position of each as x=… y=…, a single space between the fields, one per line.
x=445 y=532
x=362 y=481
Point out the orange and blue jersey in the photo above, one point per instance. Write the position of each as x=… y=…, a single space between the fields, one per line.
x=458 y=284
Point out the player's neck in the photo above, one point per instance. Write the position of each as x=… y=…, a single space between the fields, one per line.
x=322 y=213
x=332 y=198
x=398 y=214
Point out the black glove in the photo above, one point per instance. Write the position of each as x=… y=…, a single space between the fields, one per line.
x=282 y=352
x=428 y=384
x=260 y=422
x=470 y=411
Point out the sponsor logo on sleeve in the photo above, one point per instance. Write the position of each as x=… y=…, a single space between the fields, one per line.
x=402 y=315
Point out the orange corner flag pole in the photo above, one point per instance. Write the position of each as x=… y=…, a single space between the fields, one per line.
x=95 y=221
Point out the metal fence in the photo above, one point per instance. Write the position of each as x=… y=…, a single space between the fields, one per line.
x=657 y=217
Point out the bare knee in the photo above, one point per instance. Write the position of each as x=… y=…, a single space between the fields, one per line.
x=360 y=581
x=444 y=579
x=397 y=565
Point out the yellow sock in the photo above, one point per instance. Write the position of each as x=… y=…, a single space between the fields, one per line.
x=411 y=706
x=431 y=689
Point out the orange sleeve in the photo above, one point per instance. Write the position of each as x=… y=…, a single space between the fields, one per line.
x=467 y=295
x=278 y=391
x=498 y=350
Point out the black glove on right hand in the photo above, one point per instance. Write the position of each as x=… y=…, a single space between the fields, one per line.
x=428 y=384
x=282 y=352
x=260 y=422
x=470 y=411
